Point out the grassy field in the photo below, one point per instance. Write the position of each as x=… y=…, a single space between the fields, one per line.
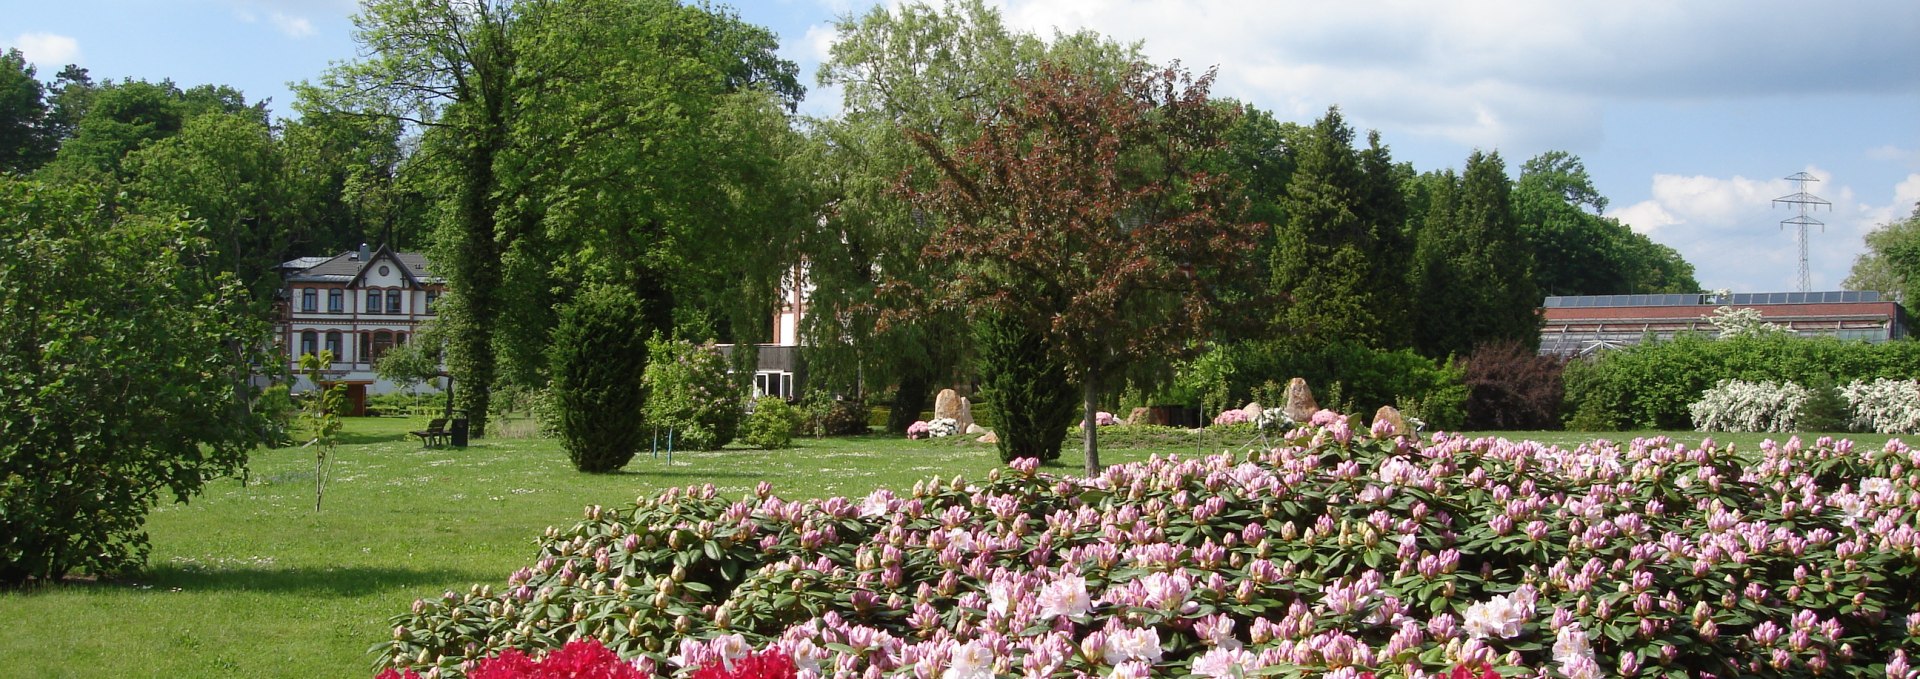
x=250 y=581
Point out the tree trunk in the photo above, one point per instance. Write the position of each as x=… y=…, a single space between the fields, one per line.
x=1089 y=429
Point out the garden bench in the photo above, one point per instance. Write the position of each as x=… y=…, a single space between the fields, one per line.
x=435 y=434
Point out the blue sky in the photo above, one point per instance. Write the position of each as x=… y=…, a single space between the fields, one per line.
x=1687 y=114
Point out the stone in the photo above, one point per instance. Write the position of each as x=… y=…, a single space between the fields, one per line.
x=947 y=404
x=990 y=438
x=1300 y=405
x=1253 y=411
x=965 y=418
x=1142 y=415
x=976 y=429
x=1394 y=424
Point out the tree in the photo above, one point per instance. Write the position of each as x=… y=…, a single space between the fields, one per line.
x=599 y=355
x=1576 y=251
x=1891 y=263
x=321 y=416
x=25 y=142
x=1472 y=275
x=934 y=71
x=1341 y=255
x=1027 y=383
x=124 y=359
x=225 y=170
x=1078 y=213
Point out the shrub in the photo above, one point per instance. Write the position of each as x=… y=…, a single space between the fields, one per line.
x=1328 y=554
x=1885 y=406
x=1650 y=385
x=1033 y=401
x=1735 y=405
x=1344 y=374
x=597 y=357
x=771 y=424
x=827 y=415
x=1231 y=417
x=275 y=405
x=690 y=393
x=942 y=427
x=1510 y=386
x=918 y=430
x=124 y=360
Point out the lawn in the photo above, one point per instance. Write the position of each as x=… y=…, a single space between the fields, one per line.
x=250 y=581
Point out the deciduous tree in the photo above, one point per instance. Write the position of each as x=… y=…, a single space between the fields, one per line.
x=1079 y=213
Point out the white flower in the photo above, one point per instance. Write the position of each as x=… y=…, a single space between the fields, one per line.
x=1131 y=669
x=1876 y=486
x=960 y=538
x=1500 y=617
x=732 y=647
x=1570 y=644
x=1224 y=663
x=1133 y=644
x=999 y=597
x=878 y=503
x=943 y=426
x=971 y=660
x=1065 y=597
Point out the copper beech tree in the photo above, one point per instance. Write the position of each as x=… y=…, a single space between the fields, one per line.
x=1082 y=211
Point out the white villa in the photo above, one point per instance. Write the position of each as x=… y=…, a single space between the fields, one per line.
x=357 y=304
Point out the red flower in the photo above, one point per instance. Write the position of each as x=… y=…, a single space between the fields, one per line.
x=390 y=674
x=769 y=664
x=1464 y=672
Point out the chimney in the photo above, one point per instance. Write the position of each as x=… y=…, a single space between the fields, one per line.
x=363 y=254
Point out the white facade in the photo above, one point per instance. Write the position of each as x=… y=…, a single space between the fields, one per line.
x=358 y=305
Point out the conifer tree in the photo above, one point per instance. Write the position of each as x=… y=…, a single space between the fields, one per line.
x=1473 y=274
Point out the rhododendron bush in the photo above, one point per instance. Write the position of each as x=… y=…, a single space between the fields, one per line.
x=1337 y=553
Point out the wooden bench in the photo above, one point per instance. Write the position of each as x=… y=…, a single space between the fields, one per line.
x=435 y=434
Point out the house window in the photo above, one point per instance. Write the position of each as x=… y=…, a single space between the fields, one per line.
x=333 y=345
x=773 y=384
x=309 y=300
x=432 y=296
x=373 y=301
x=382 y=341
x=334 y=301
x=308 y=342
x=393 y=301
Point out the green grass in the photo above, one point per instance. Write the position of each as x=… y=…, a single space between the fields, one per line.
x=250 y=581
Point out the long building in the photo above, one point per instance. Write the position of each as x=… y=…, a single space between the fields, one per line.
x=1584 y=324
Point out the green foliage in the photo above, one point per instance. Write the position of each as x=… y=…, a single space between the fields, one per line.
x=1650 y=385
x=320 y=419
x=1472 y=275
x=771 y=424
x=226 y=170
x=598 y=357
x=25 y=141
x=123 y=378
x=690 y=393
x=827 y=415
x=276 y=407
x=1034 y=401
x=1891 y=263
x=1344 y=375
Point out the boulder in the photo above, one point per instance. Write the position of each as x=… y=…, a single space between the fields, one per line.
x=947 y=404
x=1300 y=405
x=990 y=438
x=976 y=429
x=965 y=418
x=1141 y=415
x=1253 y=411
x=1388 y=423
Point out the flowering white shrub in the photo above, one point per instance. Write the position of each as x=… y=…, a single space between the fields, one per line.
x=1737 y=405
x=1883 y=405
x=943 y=426
x=1743 y=322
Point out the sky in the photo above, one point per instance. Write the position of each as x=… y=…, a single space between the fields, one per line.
x=1688 y=115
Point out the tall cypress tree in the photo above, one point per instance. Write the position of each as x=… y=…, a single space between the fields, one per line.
x=1324 y=256
x=1473 y=273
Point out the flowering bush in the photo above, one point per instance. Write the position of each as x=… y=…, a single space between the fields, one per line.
x=1103 y=418
x=943 y=426
x=1884 y=406
x=918 y=430
x=690 y=392
x=1331 y=554
x=1232 y=416
x=1736 y=405
x=578 y=659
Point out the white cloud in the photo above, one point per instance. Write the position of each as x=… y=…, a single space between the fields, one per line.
x=1506 y=73
x=48 y=50
x=1730 y=227
x=1896 y=154
x=293 y=26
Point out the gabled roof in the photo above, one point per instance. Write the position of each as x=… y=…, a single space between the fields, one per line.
x=347 y=268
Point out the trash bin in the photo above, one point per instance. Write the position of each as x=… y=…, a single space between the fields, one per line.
x=457 y=430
